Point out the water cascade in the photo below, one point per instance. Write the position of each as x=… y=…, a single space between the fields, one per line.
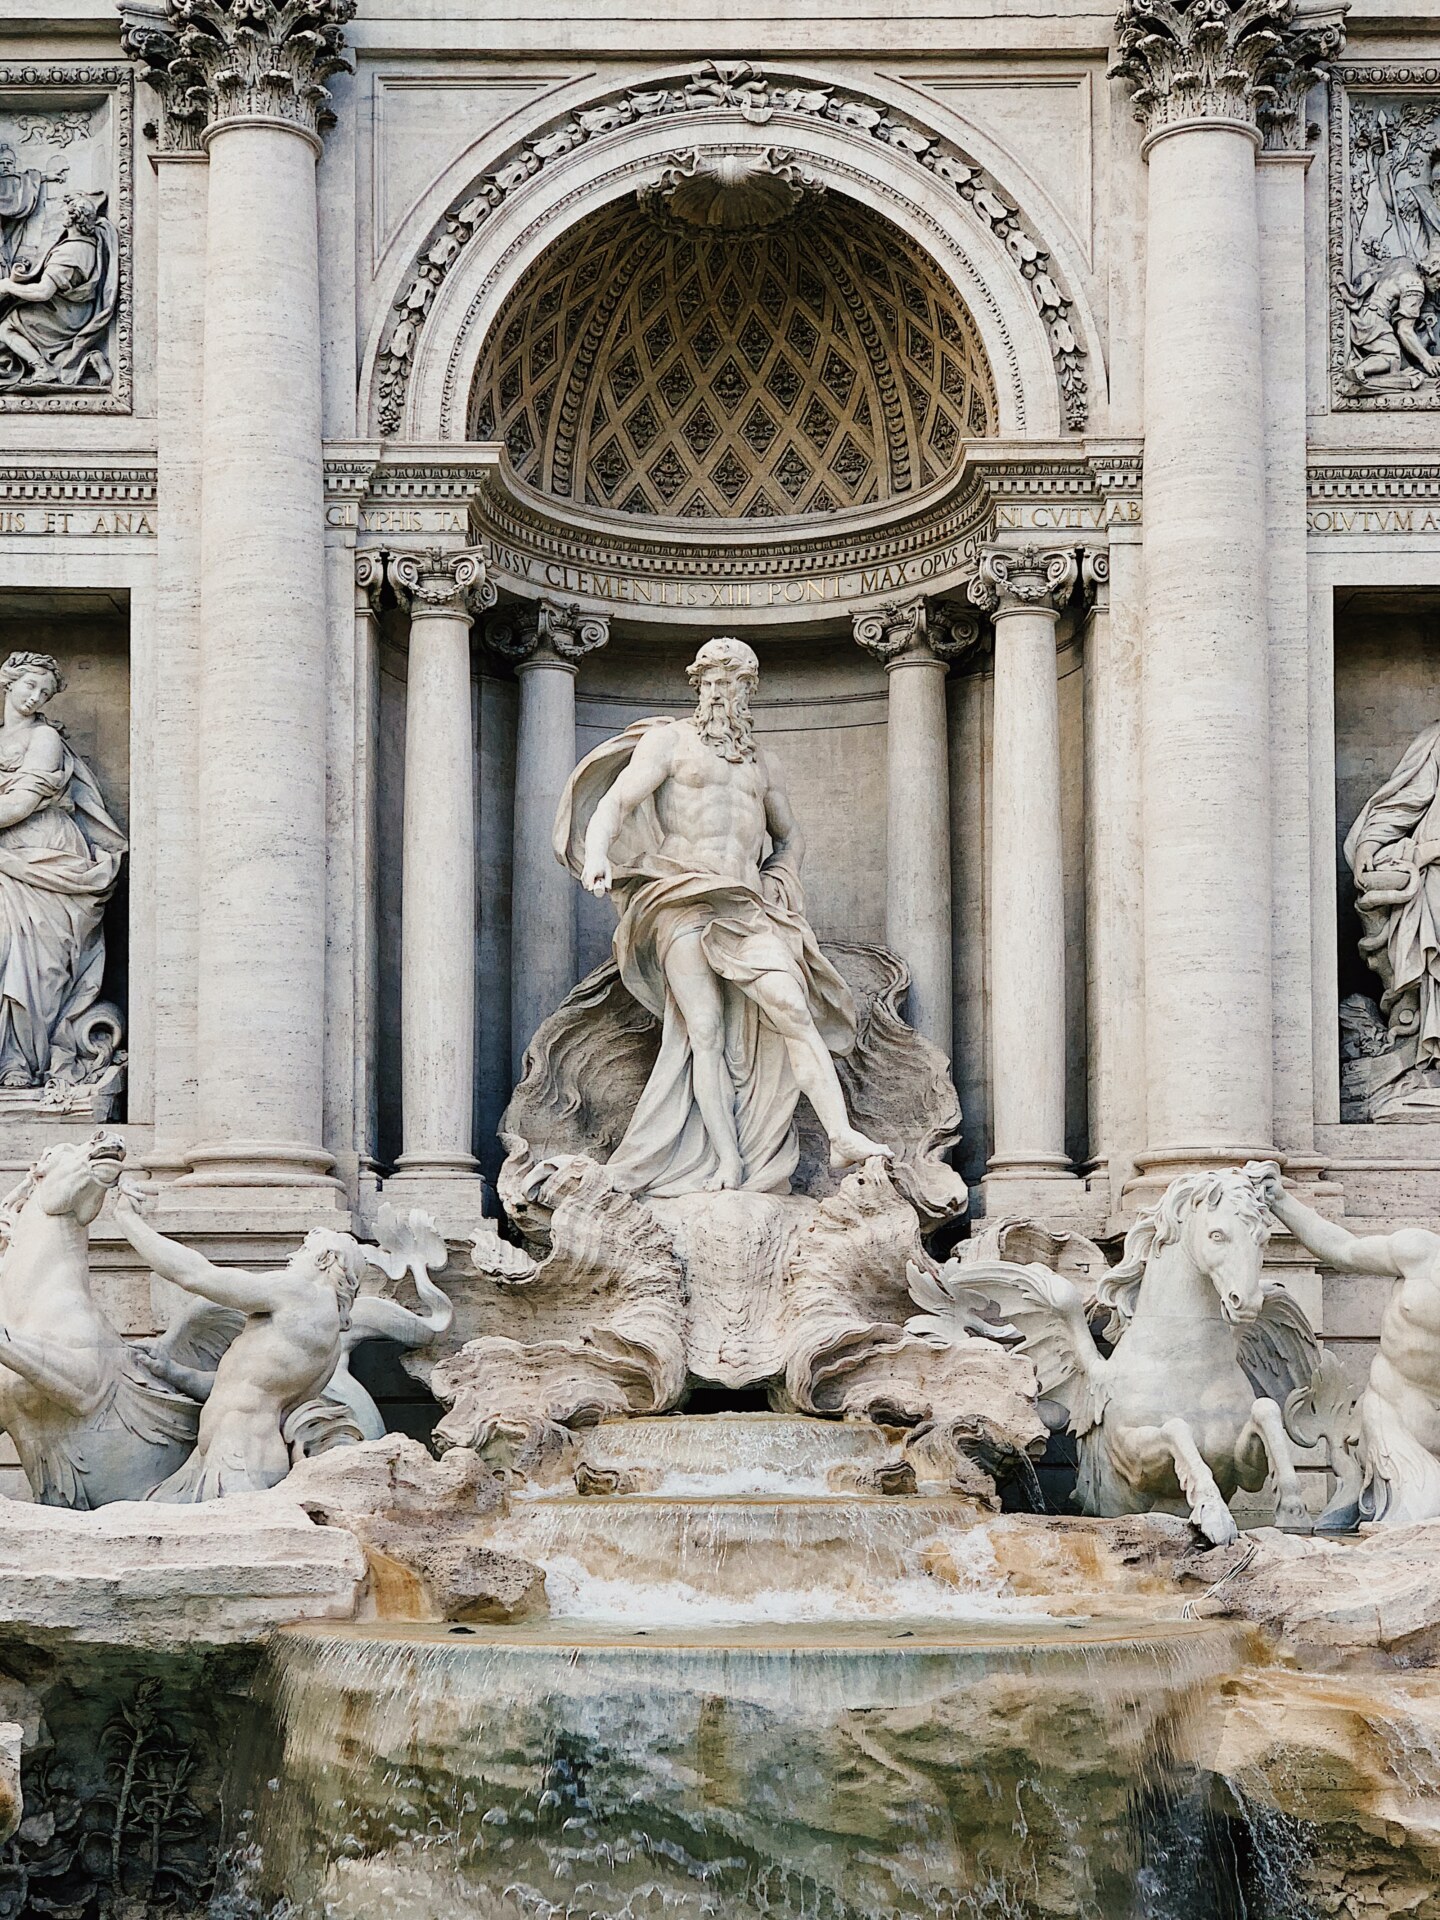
x=822 y=1704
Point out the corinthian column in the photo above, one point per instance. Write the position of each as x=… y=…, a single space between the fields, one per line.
x=1024 y=591
x=251 y=77
x=437 y=901
x=916 y=644
x=1205 y=74
x=547 y=643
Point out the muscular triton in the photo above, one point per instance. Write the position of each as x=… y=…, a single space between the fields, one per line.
x=1400 y=1408
x=673 y=817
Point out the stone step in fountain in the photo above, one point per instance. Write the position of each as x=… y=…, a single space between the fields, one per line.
x=734 y=1456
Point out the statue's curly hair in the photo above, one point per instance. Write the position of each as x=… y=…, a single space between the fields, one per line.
x=19 y=664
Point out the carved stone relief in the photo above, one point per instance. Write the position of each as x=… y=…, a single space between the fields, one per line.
x=1385 y=238
x=65 y=239
x=759 y=98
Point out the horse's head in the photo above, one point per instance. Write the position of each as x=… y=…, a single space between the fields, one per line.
x=73 y=1177
x=1218 y=1220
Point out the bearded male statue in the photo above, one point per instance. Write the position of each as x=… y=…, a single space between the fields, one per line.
x=671 y=817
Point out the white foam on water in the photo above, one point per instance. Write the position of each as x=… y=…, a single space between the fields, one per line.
x=973 y=1589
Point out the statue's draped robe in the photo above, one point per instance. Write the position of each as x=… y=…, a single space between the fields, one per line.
x=1402 y=934
x=58 y=867
x=744 y=932
x=69 y=330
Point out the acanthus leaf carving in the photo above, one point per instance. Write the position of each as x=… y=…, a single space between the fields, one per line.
x=744 y=89
x=1239 y=60
x=917 y=626
x=214 y=61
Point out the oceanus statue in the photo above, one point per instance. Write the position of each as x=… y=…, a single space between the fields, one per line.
x=1187 y=1406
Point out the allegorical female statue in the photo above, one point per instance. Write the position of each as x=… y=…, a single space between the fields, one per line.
x=60 y=855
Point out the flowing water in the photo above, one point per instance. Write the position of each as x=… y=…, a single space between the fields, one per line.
x=855 y=1772
x=808 y=1704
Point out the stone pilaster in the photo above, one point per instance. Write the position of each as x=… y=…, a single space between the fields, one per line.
x=916 y=642
x=245 y=82
x=1024 y=590
x=1209 y=79
x=442 y=590
x=547 y=642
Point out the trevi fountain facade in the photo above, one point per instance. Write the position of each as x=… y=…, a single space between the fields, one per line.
x=719 y=961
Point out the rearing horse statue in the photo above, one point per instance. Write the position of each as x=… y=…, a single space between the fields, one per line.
x=1186 y=1407
x=90 y=1424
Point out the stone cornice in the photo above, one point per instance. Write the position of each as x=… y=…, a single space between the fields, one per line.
x=1247 y=63
x=218 y=62
x=61 y=480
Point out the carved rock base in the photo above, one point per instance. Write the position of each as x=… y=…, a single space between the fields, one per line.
x=809 y=1297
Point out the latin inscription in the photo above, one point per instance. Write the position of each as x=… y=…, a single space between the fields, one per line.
x=85 y=522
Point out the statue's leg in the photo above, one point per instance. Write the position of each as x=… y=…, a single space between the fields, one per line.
x=701 y=1001
x=1147 y=1455
x=783 y=1002
x=1264 y=1445
x=69 y=1378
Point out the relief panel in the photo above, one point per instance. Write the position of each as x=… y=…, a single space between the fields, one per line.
x=65 y=239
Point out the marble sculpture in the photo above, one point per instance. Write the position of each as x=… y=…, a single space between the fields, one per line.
x=1392 y=1061
x=1187 y=1405
x=251 y=1374
x=683 y=1219
x=671 y=818
x=1399 y=1414
x=60 y=855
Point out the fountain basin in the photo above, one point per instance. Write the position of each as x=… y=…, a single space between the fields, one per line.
x=852 y=1771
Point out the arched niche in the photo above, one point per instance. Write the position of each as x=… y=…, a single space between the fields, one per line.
x=1035 y=336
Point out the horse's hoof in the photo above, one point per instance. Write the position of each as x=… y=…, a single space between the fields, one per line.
x=1293 y=1516
x=1216 y=1522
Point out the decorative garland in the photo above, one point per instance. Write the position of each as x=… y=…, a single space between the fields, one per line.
x=745 y=90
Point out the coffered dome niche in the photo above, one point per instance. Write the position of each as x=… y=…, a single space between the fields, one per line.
x=730 y=352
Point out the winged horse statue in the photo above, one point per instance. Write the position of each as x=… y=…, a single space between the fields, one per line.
x=1204 y=1351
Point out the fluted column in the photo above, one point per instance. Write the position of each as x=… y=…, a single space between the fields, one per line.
x=1024 y=591
x=251 y=80
x=916 y=644
x=437 y=903
x=1204 y=76
x=547 y=643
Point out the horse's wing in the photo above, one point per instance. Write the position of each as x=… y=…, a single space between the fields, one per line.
x=1031 y=1307
x=199 y=1331
x=1278 y=1351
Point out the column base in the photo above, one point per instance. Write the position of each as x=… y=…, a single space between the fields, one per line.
x=1156 y=1167
x=1041 y=1187
x=449 y=1187
x=236 y=1177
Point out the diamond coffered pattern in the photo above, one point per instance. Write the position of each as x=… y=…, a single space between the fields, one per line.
x=821 y=365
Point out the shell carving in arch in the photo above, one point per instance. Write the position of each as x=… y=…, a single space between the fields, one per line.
x=757 y=97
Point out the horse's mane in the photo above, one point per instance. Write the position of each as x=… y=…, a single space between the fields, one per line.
x=12 y=1204
x=1159 y=1226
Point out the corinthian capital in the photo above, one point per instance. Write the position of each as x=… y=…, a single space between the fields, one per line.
x=554 y=627
x=1238 y=60
x=917 y=630
x=219 y=61
x=434 y=581
x=1025 y=579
